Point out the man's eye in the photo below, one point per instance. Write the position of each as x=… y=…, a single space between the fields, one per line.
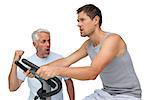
x=82 y=19
x=43 y=41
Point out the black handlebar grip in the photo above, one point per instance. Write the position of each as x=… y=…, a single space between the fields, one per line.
x=49 y=81
x=21 y=66
x=33 y=66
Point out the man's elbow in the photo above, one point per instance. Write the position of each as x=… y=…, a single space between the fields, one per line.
x=93 y=77
x=13 y=86
x=12 y=89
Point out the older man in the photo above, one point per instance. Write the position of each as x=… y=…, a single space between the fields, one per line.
x=43 y=55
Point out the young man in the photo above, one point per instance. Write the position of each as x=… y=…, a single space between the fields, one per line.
x=110 y=60
x=43 y=55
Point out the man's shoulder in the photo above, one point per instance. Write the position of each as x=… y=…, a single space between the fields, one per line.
x=31 y=57
x=53 y=54
x=113 y=37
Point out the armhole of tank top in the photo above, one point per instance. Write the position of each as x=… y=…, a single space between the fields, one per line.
x=107 y=34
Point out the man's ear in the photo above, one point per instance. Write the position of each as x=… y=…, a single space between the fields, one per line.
x=96 y=20
x=34 y=44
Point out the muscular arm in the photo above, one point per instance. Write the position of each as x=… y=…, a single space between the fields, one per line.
x=110 y=49
x=13 y=82
x=70 y=89
x=45 y=71
x=74 y=57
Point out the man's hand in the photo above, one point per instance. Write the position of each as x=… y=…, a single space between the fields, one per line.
x=17 y=57
x=29 y=74
x=47 y=72
x=18 y=54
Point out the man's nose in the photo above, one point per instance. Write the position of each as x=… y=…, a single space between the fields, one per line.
x=48 y=44
x=79 y=24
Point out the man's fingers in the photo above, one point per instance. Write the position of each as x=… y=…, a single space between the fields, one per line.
x=18 y=54
x=38 y=72
x=27 y=72
x=31 y=75
x=42 y=72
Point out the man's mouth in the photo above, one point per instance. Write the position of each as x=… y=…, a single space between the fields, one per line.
x=81 y=30
x=47 y=50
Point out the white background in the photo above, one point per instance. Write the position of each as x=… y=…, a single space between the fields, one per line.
x=19 y=18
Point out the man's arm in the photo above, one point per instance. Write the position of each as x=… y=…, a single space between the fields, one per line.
x=14 y=82
x=72 y=58
x=110 y=49
x=70 y=89
x=63 y=62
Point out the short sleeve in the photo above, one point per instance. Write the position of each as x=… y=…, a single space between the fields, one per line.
x=20 y=74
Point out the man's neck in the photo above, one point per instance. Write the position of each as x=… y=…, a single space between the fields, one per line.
x=40 y=55
x=97 y=36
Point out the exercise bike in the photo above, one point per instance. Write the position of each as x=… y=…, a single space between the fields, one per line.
x=44 y=93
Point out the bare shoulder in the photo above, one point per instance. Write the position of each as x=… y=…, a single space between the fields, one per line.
x=115 y=41
x=113 y=38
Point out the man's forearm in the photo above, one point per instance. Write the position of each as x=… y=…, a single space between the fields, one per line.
x=12 y=79
x=71 y=94
x=70 y=89
x=80 y=73
x=59 y=63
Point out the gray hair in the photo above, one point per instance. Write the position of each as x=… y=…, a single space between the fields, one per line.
x=35 y=33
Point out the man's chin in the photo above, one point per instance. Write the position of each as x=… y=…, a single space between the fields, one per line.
x=83 y=35
x=46 y=55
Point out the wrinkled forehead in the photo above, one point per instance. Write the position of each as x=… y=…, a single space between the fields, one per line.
x=43 y=35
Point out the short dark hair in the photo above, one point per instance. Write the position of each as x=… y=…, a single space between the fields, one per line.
x=92 y=11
